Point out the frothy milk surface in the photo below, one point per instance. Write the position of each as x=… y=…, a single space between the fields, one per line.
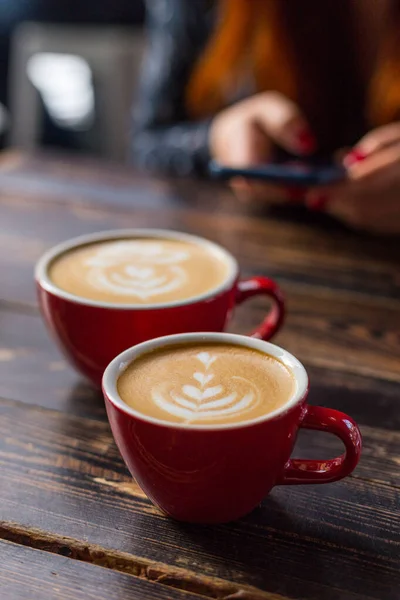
x=139 y=271
x=206 y=384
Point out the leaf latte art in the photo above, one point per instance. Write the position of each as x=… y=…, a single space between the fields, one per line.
x=139 y=271
x=205 y=384
x=205 y=398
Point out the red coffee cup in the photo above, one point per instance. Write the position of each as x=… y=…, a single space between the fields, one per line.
x=91 y=333
x=215 y=474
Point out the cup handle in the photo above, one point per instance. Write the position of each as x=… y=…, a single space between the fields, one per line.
x=256 y=286
x=298 y=471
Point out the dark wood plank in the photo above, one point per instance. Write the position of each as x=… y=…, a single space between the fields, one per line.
x=370 y=401
x=33 y=371
x=164 y=577
x=61 y=478
x=335 y=331
x=29 y=224
x=33 y=574
x=322 y=319
x=64 y=475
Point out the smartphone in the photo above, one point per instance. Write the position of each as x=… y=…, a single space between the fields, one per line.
x=291 y=173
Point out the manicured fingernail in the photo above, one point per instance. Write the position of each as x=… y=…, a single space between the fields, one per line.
x=353 y=157
x=318 y=203
x=295 y=195
x=306 y=141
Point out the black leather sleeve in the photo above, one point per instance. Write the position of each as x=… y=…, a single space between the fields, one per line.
x=163 y=138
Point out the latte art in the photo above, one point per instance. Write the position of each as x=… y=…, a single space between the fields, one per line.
x=139 y=271
x=206 y=384
x=202 y=399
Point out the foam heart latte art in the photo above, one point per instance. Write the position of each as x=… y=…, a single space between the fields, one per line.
x=139 y=271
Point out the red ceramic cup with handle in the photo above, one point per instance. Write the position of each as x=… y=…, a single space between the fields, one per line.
x=91 y=333
x=218 y=473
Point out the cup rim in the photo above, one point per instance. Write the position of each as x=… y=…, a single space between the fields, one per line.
x=120 y=363
x=43 y=279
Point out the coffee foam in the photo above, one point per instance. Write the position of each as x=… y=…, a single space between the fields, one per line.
x=206 y=384
x=139 y=271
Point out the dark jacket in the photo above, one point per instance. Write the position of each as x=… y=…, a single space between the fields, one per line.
x=163 y=137
x=331 y=89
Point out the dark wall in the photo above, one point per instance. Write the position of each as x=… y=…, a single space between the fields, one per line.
x=96 y=12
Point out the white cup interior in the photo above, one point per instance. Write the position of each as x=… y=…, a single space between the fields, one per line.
x=120 y=363
x=42 y=266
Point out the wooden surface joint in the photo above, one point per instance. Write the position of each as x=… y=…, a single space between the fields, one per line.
x=173 y=577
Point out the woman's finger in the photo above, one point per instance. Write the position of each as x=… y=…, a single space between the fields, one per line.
x=375 y=140
x=321 y=197
x=376 y=165
x=366 y=205
x=283 y=122
x=236 y=140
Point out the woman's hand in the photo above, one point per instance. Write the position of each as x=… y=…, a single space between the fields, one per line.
x=370 y=199
x=244 y=135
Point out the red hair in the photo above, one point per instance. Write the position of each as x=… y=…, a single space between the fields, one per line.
x=253 y=35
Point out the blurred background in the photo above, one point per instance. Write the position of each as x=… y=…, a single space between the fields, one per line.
x=68 y=70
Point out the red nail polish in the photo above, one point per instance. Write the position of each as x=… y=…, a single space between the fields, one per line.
x=353 y=157
x=318 y=203
x=306 y=141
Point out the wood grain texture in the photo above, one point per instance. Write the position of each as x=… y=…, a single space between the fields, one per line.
x=33 y=371
x=64 y=474
x=320 y=319
x=63 y=487
x=35 y=575
x=177 y=580
x=298 y=251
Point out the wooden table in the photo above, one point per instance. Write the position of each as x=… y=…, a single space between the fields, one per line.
x=75 y=525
